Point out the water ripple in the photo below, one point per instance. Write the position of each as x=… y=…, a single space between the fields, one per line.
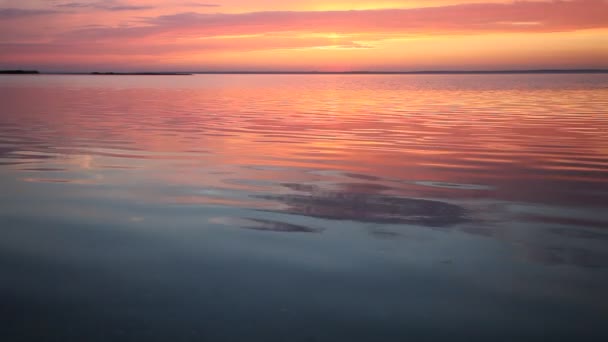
x=456 y=151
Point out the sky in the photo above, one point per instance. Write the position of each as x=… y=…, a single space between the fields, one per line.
x=302 y=35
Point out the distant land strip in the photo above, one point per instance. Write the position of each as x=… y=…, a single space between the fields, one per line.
x=362 y=72
x=19 y=72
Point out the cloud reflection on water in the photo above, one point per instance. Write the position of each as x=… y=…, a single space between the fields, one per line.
x=364 y=206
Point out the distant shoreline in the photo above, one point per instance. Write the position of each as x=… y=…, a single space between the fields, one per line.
x=245 y=72
x=19 y=72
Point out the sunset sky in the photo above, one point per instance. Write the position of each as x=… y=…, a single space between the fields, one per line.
x=324 y=35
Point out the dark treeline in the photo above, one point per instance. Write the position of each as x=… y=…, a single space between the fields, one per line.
x=19 y=72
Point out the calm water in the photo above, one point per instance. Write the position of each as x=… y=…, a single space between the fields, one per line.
x=304 y=208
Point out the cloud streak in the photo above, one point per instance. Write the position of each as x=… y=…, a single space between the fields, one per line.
x=198 y=4
x=521 y=16
x=104 y=5
x=11 y=13
x=187 y=35
x=212 y=44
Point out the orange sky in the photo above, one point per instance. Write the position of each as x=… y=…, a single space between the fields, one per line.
x=329 y=35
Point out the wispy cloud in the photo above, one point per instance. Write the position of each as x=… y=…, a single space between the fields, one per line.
x=9 y=13
x=458 y=19
x=126 y=8
x=218 y=43
x=115 y=33
x=104 y=5
x=74 y=5
x=199 y=4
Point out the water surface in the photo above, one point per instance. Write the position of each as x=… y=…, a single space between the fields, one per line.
x=304 y=207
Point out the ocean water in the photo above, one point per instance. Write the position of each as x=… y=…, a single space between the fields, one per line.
x=304 y=208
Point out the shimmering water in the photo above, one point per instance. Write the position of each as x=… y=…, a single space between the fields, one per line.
x=304 y=208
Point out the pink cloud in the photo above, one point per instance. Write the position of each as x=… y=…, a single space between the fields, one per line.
x=520 y=16
x=104 y=5
x=147 y=47
x=176 y=34
x=12 y=13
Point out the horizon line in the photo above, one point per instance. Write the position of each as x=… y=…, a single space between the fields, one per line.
x=499 y=71
x=313 y=72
